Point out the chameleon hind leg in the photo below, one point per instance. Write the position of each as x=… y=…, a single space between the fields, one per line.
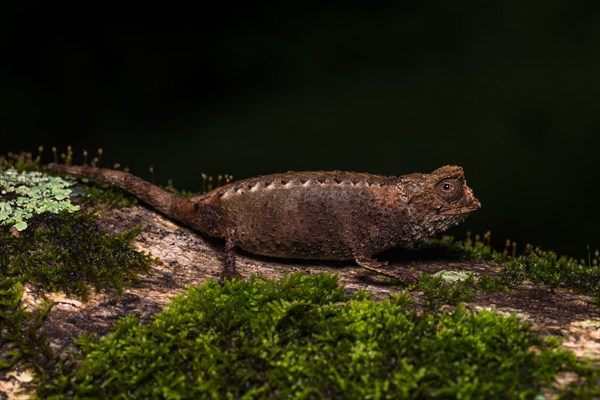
x=229 y=270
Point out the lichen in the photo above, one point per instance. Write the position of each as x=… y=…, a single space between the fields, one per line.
x=25 y=194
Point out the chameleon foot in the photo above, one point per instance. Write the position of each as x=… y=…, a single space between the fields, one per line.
x=229 y=270
x=405 y=276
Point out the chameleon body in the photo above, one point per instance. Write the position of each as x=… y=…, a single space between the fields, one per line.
x=319 y=215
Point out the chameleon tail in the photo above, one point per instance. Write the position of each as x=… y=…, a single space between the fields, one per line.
x=174 y=206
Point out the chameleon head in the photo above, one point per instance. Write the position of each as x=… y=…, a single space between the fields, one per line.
x=440 y=199
x=452 y=195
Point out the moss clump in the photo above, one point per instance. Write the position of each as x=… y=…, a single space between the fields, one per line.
x=546 y=267
x=68 y=252
x=534 y=265
x=294 y=339
x=64 y=252
x=22 y=161
x=439 y=291
x=19 y=335
x=45 y=243
x=97 y=194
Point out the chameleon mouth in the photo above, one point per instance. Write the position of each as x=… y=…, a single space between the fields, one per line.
x=473 y=206
x=468 y=208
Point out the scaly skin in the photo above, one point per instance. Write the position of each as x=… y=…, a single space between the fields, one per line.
x=323 y=215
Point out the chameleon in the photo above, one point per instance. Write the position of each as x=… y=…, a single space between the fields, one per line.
x=312 y=215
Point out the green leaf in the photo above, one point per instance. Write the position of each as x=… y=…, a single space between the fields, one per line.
x=21 y=226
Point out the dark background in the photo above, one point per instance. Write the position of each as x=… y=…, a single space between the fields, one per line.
x=508 y=90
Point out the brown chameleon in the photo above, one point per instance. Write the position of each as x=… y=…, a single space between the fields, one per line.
x=319 y=215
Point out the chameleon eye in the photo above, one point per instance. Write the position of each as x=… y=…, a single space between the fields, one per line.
x=449 y=189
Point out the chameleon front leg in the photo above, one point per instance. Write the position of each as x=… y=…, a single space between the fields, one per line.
x=403 y=275
x=229 y=270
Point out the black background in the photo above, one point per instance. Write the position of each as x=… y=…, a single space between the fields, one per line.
x=508 y=90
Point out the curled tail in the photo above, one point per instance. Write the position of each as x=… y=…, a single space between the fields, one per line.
x=176 y=207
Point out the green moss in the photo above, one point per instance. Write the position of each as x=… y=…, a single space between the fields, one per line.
x=554 y=271
x=448 y=246
x=44 y=243
x=97 y=194
x=68 y=252
x=11 y=321
x=587 y=386
x=438 y=290
x=547 y=268
x=19 y=335
x=294 y=339
x=22 y=161
x=535 y=265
